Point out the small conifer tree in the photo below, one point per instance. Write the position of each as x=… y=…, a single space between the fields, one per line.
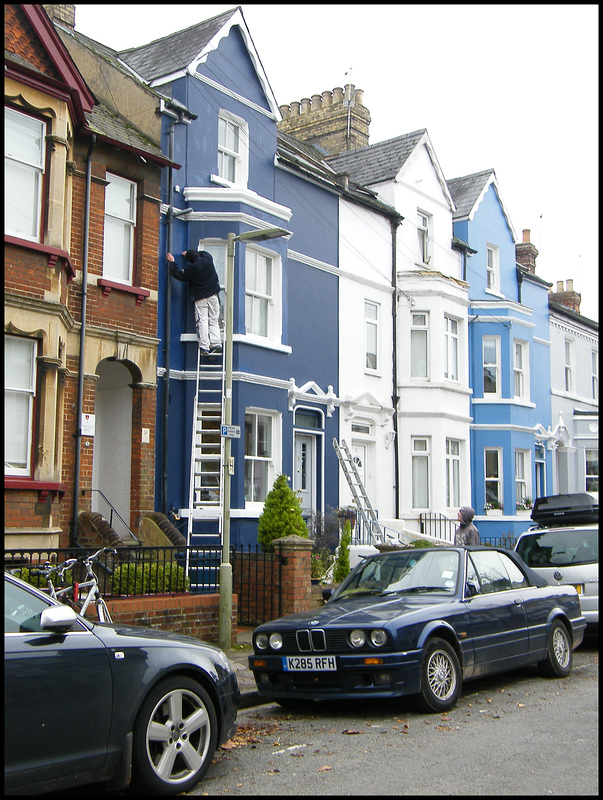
x=342 y=562
x=282 y=515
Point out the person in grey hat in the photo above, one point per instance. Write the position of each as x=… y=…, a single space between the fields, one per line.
x=466 y=533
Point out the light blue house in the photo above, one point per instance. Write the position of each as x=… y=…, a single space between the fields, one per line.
x=509 y=362
x=220 y=124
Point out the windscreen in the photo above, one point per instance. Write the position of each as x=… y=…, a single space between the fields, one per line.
x=414 y=572
x=560 y=548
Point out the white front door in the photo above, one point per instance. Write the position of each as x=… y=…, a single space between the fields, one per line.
x=304 y=480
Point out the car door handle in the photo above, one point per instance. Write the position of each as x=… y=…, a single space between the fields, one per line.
x=518 y=602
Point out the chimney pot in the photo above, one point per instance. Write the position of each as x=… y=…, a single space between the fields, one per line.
x=327 y=99
x=338 y=94
x=559 y=286
x=294 y=108
x=526 y=235
x=305 y=105
x=316 y=102
x=570 y=285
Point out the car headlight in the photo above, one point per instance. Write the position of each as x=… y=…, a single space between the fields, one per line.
x=261 y=641
x=378 y=637
x=276 y=641
x=357 y=638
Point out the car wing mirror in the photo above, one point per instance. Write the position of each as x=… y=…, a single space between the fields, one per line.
x=327 y=594
x=471 y=588
x=58 y=619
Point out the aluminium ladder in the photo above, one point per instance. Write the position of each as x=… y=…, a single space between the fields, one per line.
x=207 y=458
x=363 y=504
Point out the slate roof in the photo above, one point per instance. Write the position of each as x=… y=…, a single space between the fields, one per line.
x=176 y=51
x=311 y=161
x=466 y=191
x=379 y=162
x=112 y=127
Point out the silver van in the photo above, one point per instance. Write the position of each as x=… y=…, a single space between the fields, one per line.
x=566 y=555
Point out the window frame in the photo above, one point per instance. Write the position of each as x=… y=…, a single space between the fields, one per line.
x=594 y=369
x=494 y=479
x=371 y=324
x=424 y=225
x=491 y=364
x=129 y=227
x=240 y=157
x=422 y=457
x=591 y=479
x=270 y=460
x=38 y=170
x=568 y=353
x=521 y=372
x=522 y=475
x=415 y=329
x=32 y=393
x=453 y=474
x=273 y=301
x=492 y=268
x=451 y=342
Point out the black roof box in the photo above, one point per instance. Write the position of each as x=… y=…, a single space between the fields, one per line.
x=565 y=509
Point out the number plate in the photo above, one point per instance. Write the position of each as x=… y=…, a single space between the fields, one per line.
x=309 y=663
x=578 y=587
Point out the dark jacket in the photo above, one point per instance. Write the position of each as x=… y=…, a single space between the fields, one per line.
x=200 y=273
x=467 y=533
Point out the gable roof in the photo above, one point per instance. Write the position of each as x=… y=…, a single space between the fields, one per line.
x=468 y=192
x=179 y=53
x=67 y=72
x=383 y=161
x=376 y=163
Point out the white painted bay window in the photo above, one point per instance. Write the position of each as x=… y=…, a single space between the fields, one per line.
x=19 y=398
x=493 y=477
x=233 y=147
x=420 y=447
x=453 y=473
x=419 y=363
x=260 y=429
x=491 y=365
x=24 y=160
x=451 y=349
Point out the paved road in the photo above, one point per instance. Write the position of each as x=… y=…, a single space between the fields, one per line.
x=515 y=734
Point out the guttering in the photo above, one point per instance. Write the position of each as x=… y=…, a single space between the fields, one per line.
x=80 y=377
x=394 y=222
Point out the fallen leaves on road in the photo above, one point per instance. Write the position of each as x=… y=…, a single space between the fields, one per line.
x=351 y=732
x=248 y=733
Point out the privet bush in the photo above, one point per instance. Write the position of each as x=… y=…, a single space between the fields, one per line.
x=281 y=516
x=149 y=578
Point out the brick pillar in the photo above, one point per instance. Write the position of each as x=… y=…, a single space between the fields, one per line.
x=296 y=586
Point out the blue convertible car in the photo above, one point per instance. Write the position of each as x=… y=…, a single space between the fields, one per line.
x=419 y=622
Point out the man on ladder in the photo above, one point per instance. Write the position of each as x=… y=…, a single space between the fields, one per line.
x=204 y=286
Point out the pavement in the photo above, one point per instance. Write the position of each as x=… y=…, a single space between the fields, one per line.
x=238 y=655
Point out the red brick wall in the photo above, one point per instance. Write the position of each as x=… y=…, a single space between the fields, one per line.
x=190 y=614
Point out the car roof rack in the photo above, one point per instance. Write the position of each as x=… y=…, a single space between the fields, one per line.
x=578 y=508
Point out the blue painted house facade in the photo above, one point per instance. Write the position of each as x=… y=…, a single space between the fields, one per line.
x=220 y=124
x=509 y=362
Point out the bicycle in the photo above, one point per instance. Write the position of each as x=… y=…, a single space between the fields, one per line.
x=91 y=583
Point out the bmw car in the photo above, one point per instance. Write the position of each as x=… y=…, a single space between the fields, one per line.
x=97 y=703
x=419 y=622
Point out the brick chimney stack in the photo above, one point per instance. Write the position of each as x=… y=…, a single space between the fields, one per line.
x=526 y=253
x=568 y=297
x=337 y=121
x=62 y=13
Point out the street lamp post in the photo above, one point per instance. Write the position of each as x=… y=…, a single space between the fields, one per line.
x=225 y=612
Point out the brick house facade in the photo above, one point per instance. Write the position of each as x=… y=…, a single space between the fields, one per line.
x=72 y=427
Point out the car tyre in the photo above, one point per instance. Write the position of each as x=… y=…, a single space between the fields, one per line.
x=440 y=676
x=175 y=736
x=559 y=654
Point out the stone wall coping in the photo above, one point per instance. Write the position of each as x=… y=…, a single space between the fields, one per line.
x=293 y=542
